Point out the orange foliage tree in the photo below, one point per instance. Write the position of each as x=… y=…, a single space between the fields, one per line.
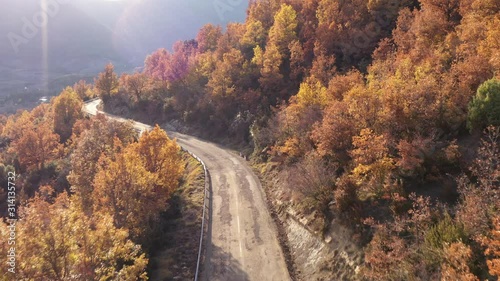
x=107 y=83
x=94 y=141
x=457 y=257
x=17 y=124
x=124 y=189
x=83 y=90
x=36 y=146
x=134 y=184
x=135 y=85
x=492 y=252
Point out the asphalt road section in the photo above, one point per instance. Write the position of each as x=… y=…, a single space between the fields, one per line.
x=242 y=241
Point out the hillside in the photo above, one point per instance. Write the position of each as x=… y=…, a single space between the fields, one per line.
x=374 y=127
x=368 y=120
x=77 y=46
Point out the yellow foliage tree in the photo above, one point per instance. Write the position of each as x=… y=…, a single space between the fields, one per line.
x=59 y=242
x=83 y=90
x=67 y=108
x=124 y=189
x=283 y=31
x=312 y=93
x=161 y=156
x=135 y=85
x=93 y=141
x=254 y=34
x=224 y=77
x=134 y=184
x=374 y=166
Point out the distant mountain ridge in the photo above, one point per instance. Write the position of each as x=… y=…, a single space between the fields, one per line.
x=83 y=35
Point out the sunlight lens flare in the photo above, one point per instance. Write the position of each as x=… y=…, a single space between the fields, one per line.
x=45 y=47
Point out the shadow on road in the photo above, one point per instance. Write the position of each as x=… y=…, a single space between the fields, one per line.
x=219 y=265
x=223 y=266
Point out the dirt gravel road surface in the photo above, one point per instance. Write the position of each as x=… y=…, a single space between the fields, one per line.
x=242 y=241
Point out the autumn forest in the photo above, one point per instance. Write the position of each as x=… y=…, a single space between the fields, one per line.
x=382 y=115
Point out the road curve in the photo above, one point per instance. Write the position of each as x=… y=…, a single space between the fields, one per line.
x=242 y=244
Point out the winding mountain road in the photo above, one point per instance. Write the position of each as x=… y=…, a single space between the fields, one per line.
x=242 y=241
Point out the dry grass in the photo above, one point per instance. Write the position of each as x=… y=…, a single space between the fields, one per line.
x=176 y=259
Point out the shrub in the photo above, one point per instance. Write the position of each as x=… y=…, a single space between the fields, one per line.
x=485 y=107
x=346 y=197
x=444 y=232
x=438 y=237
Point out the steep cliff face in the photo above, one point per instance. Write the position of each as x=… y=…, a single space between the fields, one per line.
x=332 y=258
x=314 y=253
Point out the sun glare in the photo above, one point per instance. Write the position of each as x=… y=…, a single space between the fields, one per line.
x=45 y=48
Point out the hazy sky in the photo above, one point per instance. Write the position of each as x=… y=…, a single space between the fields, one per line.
x=54 y=42
x=133 y=27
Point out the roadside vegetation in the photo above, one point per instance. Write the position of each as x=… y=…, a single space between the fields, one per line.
x=94 y=199
x=175 y=253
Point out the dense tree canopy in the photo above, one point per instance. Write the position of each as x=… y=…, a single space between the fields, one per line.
x=36 y=146
x=86 y=207
x=60 y=242
x=372 y=97
x=92 y=142
x=380 y=92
